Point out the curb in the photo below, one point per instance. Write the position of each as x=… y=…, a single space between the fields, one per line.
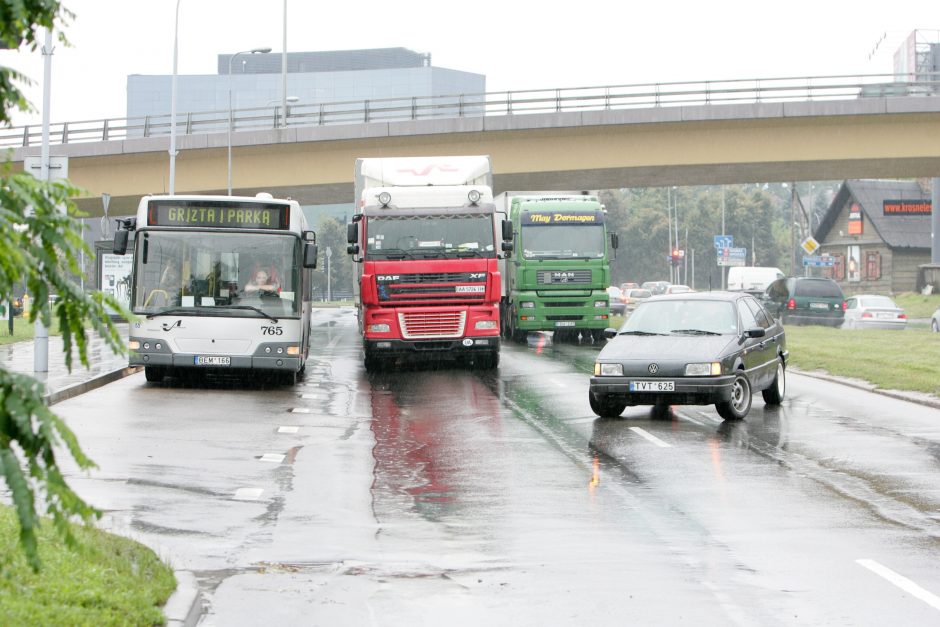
x=86 y=386
x=184 y=607
x=913 y=397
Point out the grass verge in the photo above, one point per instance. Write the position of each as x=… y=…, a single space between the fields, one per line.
x=23 y=330
x=107 y=580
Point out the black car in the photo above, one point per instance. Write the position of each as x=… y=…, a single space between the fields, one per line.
x=806 y=300
x=694 y=348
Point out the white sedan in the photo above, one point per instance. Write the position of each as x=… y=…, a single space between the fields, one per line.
x=871 y=311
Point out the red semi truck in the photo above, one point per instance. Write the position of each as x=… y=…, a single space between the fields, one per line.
x=427 y=245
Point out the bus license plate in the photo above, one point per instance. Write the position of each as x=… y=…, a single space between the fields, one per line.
x=565 y=323
x=652 y=386
x=212 y=360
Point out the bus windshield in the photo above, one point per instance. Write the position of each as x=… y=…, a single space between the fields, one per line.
x=560 y=241
x=217 y=273
x=422 y=237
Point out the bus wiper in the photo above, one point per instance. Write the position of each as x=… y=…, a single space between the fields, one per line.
x=251 y=308
x=169 y=311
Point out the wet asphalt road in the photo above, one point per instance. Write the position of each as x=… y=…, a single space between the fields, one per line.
x=426 y=496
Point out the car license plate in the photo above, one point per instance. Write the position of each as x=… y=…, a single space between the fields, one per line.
x=819 y=305
x=884 y=315
x=652 y=386
x=564 y=323
x=203 y=360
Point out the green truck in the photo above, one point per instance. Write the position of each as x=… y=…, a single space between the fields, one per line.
x=558 y=275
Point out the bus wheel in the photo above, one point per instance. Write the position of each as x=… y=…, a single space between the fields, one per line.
x=154 y=374
x=289 y=378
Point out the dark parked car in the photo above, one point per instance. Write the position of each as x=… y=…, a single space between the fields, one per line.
x=696 y=348
x=806 y=300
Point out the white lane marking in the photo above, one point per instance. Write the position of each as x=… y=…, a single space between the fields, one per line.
x=247 y=494
x=309 y=396
x=901 y=582
x=649 y=436
x=301 y=410
x=276 y=458
x=578 y=421
x=288 y=429
x=334 y=342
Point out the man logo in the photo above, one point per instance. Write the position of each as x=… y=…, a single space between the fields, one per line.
x=653 y=368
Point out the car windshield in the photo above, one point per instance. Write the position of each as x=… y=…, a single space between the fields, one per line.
x=682 y=317
x=877 y=301
x=430 y=236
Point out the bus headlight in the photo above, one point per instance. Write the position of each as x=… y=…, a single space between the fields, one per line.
x=608 y=370
x=133 y=345
x=293 y=350
x=708 y=369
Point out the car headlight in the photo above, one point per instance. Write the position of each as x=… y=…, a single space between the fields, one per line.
x=600 y=303
x=707 y=369
x=527 y=304
x=608 y=370
x=379 y=328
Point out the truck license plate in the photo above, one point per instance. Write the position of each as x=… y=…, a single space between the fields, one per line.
x=564 y=323
x=212 y=360
x=652 y=386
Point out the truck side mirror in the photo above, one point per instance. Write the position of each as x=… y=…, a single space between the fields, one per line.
x=352 y=233
x=310 y=255
x=352 y=249
x=507 y=231
x=120 y=242
x=507 y=248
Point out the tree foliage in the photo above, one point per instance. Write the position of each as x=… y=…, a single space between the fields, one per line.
x=40 y=248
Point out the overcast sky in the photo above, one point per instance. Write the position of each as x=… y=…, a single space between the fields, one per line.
x=516 y=44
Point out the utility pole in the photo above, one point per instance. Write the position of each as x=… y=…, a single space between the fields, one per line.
x=41 y=333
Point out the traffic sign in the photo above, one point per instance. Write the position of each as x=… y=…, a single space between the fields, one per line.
x=723 y=241
x=810 y=245
x=819 y=262
x=732 y=256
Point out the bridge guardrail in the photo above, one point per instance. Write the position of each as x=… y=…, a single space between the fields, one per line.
x=523 y=102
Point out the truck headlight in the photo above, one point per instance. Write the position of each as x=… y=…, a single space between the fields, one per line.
x=600 y=303
x=485 y=324
x=379 y=328
x=608 y=370
x=707 y=369
x=527 y=304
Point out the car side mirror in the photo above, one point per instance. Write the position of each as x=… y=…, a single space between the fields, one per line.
x=755 y=332
x=610 y=333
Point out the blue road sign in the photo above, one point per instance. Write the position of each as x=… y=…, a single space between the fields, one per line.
x=724 y=241
x=819 y=262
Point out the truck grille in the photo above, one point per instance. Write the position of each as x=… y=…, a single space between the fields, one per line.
x=564 y=277
x=466 y=287
x=567 y=303
x=432 y=324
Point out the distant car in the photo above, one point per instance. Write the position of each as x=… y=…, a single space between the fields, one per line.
x=628 y=286
x=677 y=289
x=634 y=296
x=806 y=300
x=618 y=305
x=656 y=287
x=935 y=321
x=697 y=348
x=871 y=311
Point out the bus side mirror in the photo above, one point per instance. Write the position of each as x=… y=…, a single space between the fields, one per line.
x=614 y=241
x=507 y=231
x=352 y=233
x=310 y=255
x=120 y=241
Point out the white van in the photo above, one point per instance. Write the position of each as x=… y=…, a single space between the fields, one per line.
x=754 y=279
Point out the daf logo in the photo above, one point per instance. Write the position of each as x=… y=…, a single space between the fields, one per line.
x=653 y=368
x=387 y=277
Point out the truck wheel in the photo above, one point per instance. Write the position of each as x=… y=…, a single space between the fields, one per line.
x=512 y=332
x=488 y=361
x=598 y=336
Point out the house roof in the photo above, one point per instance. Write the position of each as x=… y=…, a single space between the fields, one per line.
x=897 y=231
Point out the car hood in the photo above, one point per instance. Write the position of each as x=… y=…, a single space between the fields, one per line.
x=687 y=348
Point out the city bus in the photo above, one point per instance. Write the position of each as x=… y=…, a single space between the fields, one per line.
x=219 y=284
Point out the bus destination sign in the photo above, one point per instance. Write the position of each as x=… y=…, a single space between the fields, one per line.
x=550 y=218
x=218 y=214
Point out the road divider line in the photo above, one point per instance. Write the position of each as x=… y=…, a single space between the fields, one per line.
x=649 y=436
x=901 y=582
x=288 y=429
x=248 y=494
x=275 y=458
x=301 y=410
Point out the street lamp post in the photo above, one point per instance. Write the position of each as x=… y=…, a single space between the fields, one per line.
x=230 y=118
x=176 y=30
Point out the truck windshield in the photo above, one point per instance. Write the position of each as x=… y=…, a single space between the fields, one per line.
x=429 y=236
x=557 y=241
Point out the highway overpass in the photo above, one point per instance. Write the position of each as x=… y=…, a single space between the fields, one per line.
x=552 y=141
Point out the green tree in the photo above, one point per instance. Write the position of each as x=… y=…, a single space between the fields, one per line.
x=332 y=233
x=40 y=247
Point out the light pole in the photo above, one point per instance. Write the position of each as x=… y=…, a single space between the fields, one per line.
x=176 y=30
x=230 y=118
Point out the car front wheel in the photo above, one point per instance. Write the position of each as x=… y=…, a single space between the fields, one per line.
x=778 y=387
x=740 y=402
x=605 y=406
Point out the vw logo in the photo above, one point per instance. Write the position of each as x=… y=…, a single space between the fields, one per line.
x=653 y=368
